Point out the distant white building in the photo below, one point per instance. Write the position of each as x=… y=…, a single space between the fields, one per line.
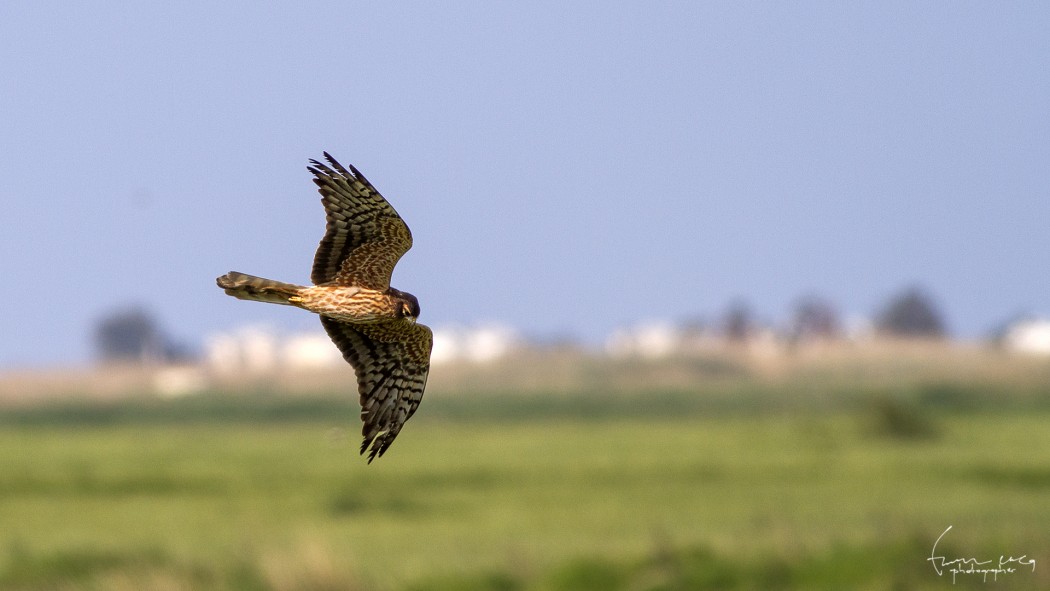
x=256 y=349
x=1030 y=336
x=310 y=350
x=252 y=349
x=652 y=340
x=179 y=380
x=222 y=353
x=660 y=338
x=859 y=328
x=479 y=344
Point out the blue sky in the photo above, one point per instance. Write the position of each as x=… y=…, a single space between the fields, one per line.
x=566 y=168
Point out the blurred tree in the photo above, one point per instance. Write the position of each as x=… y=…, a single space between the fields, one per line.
x=739 y=322
x=912 y=313
x=129 y=335
x=814 y=318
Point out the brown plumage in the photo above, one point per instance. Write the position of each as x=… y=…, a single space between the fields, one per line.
x=372 y=324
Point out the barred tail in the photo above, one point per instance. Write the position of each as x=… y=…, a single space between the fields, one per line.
x=250 y=287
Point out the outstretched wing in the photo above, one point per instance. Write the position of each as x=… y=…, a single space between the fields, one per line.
x=391 y=360
x=364 y=237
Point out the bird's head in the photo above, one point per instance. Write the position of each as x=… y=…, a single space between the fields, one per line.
x=409 y=305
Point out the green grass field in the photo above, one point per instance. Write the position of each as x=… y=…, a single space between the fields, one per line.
x=648 y=491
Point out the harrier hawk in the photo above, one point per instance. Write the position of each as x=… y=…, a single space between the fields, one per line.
x=372 y=324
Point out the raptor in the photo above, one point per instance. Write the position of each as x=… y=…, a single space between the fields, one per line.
x=373 y=325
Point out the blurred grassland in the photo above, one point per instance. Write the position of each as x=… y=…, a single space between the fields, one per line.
x=741 y=479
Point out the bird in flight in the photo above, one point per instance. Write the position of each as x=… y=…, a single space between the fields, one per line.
x=372 y=324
